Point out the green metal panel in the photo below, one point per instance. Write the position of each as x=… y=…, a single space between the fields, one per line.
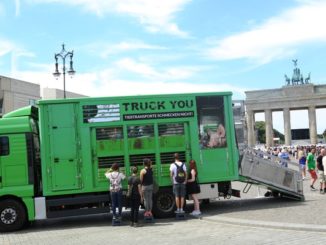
x=14 y=166
x=75 y=143
x=15 y=125
x=29 y=203
x=64 y=155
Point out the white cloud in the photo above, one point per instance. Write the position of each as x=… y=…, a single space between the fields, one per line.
x=165 y=74
x=108 y=82
x=2 y=10
x=6 y=47
x=156 y=16
x=104 y=49
x=130 y=65
x=17 y=5
x=277 y=37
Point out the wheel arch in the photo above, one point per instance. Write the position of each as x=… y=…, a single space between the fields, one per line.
x=26 y=202
x=168 y=207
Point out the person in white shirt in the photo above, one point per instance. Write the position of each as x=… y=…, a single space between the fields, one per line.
x=178 y=174
x=115 y=178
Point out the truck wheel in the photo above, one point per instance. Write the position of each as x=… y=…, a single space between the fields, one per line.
x=164 y=203
x=12 y=215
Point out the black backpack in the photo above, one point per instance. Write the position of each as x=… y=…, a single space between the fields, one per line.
x=181 y=174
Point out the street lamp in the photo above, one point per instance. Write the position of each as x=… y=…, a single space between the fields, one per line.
x=63 y=54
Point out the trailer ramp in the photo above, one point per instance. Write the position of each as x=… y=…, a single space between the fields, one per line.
x=259 y=170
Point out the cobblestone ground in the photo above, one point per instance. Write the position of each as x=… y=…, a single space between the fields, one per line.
x=250 y=220
x=97 y=230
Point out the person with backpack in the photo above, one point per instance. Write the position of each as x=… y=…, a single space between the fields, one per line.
x=115 y=178
x=134 y=195
x=146 y=179
x=178 y=174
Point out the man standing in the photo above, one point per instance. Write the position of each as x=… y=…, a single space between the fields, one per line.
x=312 y=167
x=324 y=166
x=321 y=172
x=178 y=174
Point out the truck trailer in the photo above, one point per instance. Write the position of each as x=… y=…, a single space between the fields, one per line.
x=53 y=156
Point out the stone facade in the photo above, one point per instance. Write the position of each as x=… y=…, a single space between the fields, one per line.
x=287 y=98
x=53 y=93
x=15 y=94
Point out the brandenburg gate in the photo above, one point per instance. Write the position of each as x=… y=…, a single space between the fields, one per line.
x=297 y=94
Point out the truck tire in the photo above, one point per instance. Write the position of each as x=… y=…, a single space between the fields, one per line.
x=12 y=215
x=164 y=203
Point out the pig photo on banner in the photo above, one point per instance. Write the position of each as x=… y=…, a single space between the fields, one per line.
x=211 y=124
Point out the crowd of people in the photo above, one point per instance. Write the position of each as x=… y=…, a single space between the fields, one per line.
x=311 y=159
x=140 y=188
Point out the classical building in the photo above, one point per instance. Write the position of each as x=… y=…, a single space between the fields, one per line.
x=297 y=94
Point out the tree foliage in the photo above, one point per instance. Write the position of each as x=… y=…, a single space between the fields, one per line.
x=260 y=128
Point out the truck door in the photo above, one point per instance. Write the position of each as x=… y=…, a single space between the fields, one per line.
x=64 y=147
x=172 y=138
x=215 y=155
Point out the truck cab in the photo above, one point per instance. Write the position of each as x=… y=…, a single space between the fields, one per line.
x=19 y=167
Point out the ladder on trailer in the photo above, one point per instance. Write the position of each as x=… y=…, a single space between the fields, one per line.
x=256 y=169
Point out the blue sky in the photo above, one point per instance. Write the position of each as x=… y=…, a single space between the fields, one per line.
x=127 y=47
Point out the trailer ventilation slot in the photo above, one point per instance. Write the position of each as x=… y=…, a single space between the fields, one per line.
x=137 y=160
x=106 y=162
x=168 y=157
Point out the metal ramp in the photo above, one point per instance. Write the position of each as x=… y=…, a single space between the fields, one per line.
x=257 y=168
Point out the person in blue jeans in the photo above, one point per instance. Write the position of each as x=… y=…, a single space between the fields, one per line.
x=284 y=156
x=115 y=178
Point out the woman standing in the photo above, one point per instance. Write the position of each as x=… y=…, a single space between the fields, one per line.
x=146 y=179
x=115 y=178
x=134 y=193
x=192 y=187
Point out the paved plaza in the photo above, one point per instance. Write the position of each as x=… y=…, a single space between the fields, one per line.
x=253 y=219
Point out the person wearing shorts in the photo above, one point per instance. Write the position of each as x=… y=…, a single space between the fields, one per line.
x=302 y=162
x=179 y=189
x=311 y=163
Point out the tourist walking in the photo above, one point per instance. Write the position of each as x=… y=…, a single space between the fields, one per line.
x=311 y=164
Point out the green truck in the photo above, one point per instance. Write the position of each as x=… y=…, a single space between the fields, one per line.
x=53 y=157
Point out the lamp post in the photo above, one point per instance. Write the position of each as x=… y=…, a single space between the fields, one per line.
x=63 y=54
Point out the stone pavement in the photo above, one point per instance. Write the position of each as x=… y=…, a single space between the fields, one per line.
x=253 y=219
x=256 y=210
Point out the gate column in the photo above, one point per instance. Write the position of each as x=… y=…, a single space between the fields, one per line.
x=269 y=127
x=312 y=124
x=250 y=128
x=287 y=126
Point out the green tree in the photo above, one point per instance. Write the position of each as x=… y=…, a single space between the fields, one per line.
x=324 y=134
x=261 y=133
x=260 y=128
